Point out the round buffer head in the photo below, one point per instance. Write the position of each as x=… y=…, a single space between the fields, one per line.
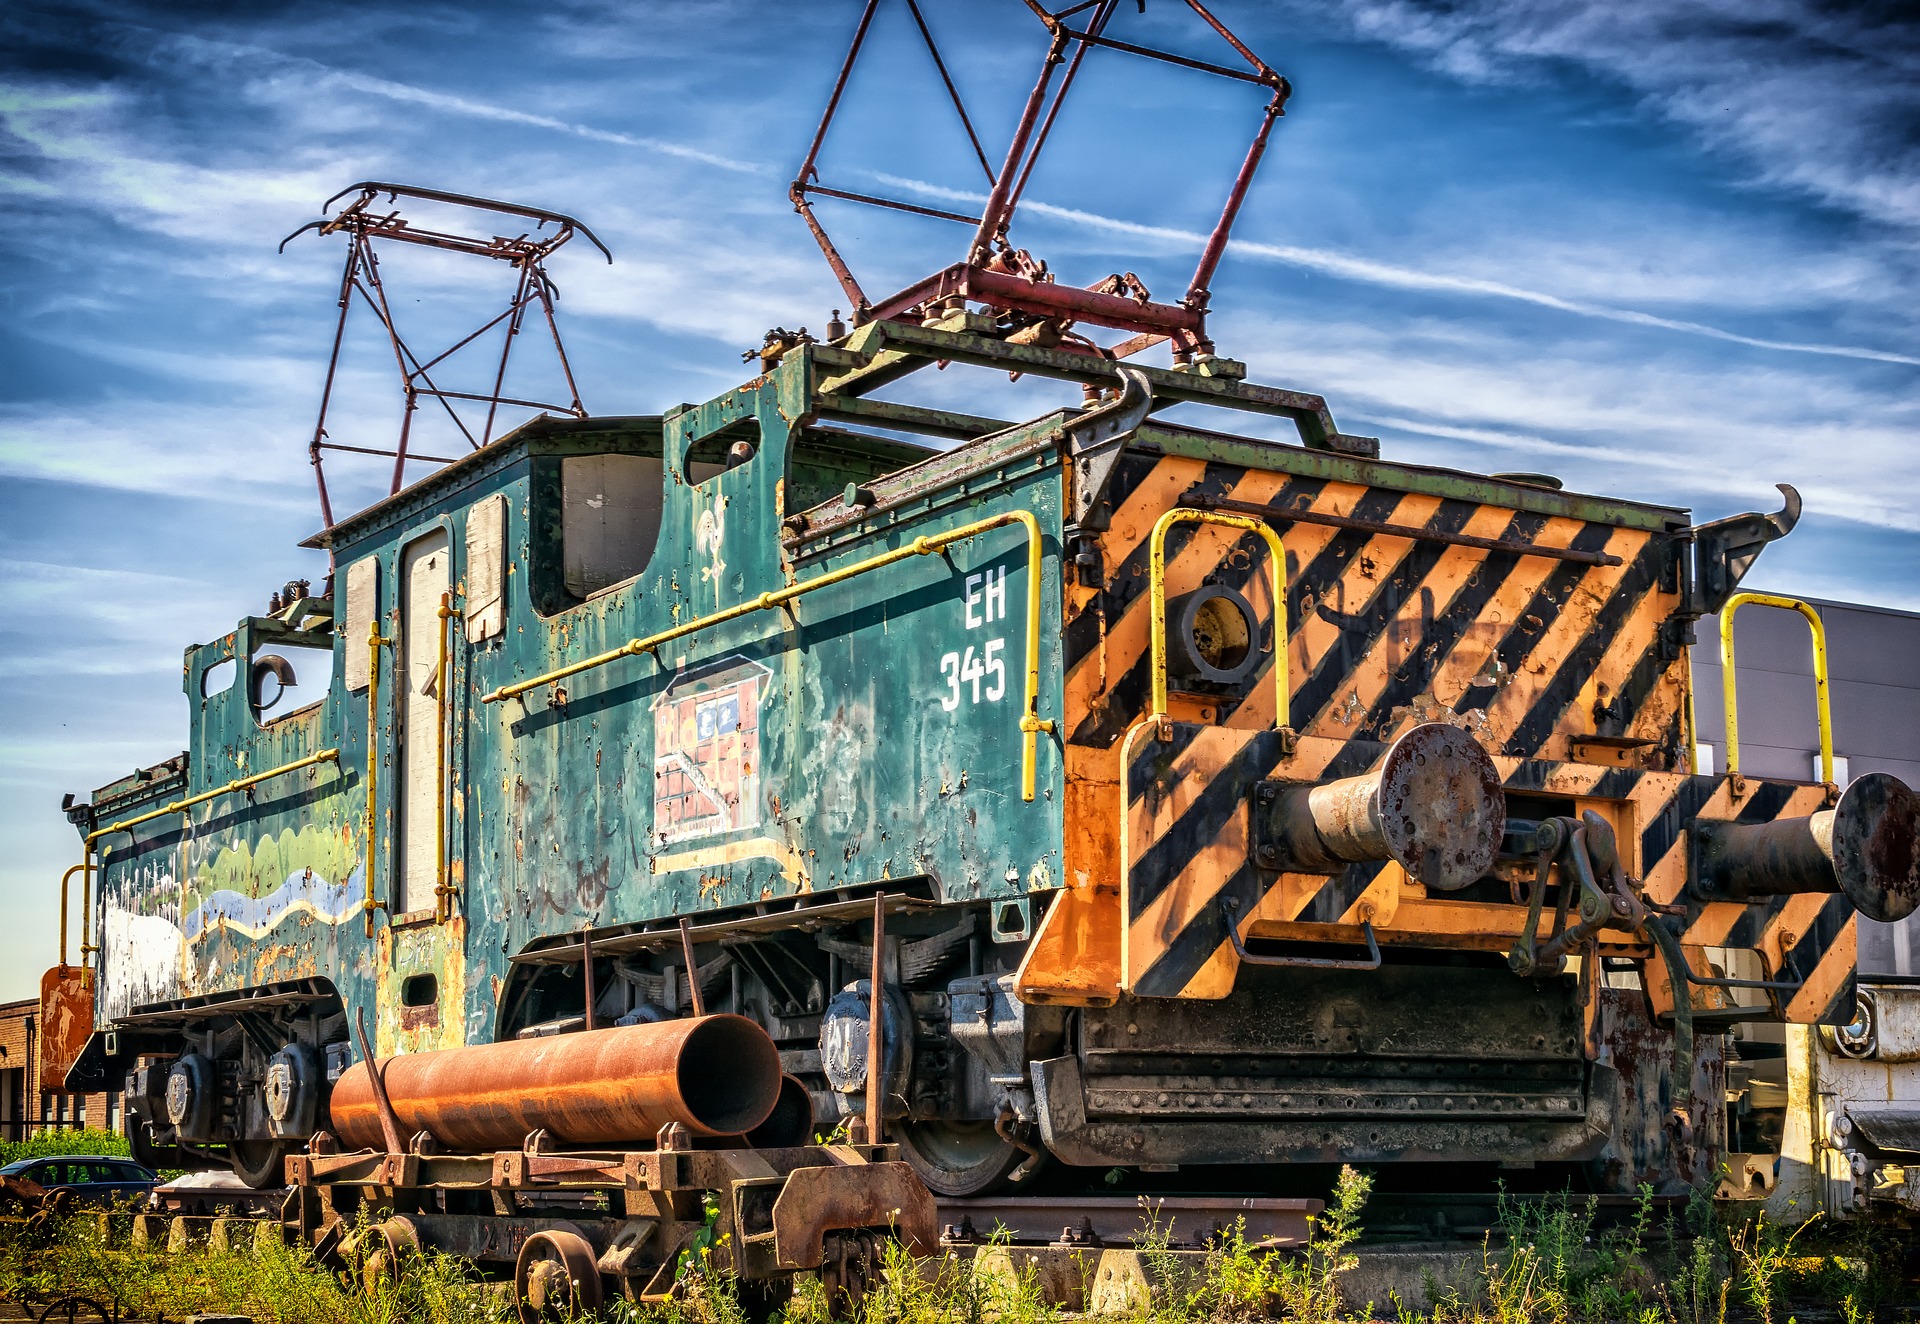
x=1441 y=808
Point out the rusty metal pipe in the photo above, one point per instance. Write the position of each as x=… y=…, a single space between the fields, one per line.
x=790 y=1123
x=1433 y=805
x=715 y=1075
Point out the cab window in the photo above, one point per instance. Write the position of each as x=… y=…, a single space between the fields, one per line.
x=594 y=519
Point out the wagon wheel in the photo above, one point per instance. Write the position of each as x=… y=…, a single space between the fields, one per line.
x=74 y=1309
x=851 y=1264
x=556 y=1277
x=259 y=1163
x=380 y=1252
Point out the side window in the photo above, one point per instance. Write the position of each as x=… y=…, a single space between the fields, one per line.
x=363 y=608
x=728 y=448
x=823 y=461
x=609 y=519
x=486 y=604
x=218 y=678
x=285 y=677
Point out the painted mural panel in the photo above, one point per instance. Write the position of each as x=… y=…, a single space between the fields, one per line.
x=706 y=777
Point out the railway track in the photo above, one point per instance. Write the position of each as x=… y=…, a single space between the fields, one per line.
x=1068 y=1221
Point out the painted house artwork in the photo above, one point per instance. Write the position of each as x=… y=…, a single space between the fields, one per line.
x=706 y=765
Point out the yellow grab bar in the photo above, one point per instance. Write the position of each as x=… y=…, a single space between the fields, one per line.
x=85 y=867
x=1822 y=697
x=442 y=711
x=1031 y=723
x=1157 y=586
x=374 y=639
x=1157 y=633
x=86 y=906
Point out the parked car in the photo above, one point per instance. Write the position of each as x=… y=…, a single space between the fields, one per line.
x=89 y=1178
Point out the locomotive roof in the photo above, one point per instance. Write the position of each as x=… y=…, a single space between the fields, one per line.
x=559 y=434
x=1334 y=455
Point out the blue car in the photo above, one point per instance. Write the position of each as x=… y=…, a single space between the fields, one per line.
x=89 y=1178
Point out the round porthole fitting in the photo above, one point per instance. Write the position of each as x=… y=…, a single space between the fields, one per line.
x=1212 y=636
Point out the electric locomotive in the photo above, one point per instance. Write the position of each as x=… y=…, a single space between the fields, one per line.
x=1200 y=799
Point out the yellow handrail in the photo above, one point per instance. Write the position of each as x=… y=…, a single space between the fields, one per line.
x=86 y=906
x=176 y=807
x=1157 y=586
x=1822 y=697
x=1157 y=635
x=1031 y=723
x=442 y=889
x=374 y=639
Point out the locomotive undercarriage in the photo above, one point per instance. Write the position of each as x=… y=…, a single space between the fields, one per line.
x=238 y=1078
x=1433 y=1056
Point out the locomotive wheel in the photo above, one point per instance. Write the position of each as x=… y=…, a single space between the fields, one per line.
x=142 y=1150
x=958 y=1159
x=556 y=1277
x=261 y=1164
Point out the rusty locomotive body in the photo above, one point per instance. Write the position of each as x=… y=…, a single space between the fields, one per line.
x=1191 y=799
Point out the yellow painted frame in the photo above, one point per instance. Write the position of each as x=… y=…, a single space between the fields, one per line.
x=1157 y=657
x=1031 y=723
x=1157 y=586
x=1822 y=695
x=374 y=640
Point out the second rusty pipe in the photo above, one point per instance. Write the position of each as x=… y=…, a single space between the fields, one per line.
x=715 y=1075
x=1866 y=847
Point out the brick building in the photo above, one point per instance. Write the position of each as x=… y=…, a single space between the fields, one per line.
x=26 y=1108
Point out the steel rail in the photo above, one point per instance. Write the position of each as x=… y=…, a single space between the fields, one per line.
x=1031 y=723
x=1822 y=696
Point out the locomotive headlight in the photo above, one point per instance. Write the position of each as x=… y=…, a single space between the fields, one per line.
x=1859 y=1037
x=1210 y=636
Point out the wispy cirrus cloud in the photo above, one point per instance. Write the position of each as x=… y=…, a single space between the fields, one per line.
x=321 y=79
x=1815 y=97
x=1388 y=275
x=1684 y=430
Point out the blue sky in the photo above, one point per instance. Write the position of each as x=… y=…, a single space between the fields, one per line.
x=1668 y=251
